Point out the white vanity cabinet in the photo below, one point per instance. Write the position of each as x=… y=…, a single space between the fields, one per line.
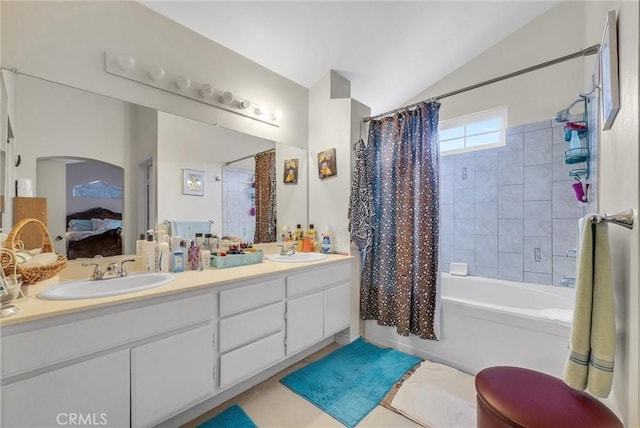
x=251 y=328
x=318 y=305
x=129 y=365
x=92 y=392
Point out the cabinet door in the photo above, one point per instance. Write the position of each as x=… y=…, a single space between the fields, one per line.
x=305 y=325
x=337 y=309
x=170 y=375
x=93 y=392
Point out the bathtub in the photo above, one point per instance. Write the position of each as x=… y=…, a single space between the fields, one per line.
x=487 y=322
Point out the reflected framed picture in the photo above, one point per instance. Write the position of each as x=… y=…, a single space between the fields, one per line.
x=291 y=171
x=610 y=95
x=193 y=182
x=327 y=164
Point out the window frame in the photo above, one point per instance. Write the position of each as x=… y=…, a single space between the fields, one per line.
x=470 y=119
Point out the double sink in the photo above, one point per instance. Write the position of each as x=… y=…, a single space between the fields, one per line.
x=89 y=289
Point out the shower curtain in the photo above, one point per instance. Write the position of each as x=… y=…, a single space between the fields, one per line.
x=265 y=186
x=394 y=221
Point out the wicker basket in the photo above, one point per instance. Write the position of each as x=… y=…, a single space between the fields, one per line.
x=31 y=275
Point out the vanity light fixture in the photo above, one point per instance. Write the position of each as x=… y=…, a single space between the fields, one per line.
x=155 y=72
x=206 y=90
x=126 y=62
x=183 y=82
x=125 y=65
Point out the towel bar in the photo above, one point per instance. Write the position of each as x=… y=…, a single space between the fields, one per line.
x=624 y=218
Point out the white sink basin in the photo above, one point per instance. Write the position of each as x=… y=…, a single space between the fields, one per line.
x=298 y=257
x=87 y=289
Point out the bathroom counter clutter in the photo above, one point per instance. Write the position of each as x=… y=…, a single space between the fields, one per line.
x=33 y=308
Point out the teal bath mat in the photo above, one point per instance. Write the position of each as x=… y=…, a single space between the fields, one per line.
x=351 y=381
x=233 y=417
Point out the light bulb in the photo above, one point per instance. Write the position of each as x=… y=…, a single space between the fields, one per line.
x=227 y=97
x=206 y=90
x=275 y=115
x=260 y=110
x=183 y=82
x=126 y=62
x=245 y=104
x=156 y=73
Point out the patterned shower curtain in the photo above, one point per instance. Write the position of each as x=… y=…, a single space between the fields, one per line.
x=394 y=221
x=265 y=185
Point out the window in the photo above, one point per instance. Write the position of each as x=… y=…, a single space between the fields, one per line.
x=477 y=131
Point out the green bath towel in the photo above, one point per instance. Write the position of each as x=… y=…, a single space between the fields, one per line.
x=593 y=335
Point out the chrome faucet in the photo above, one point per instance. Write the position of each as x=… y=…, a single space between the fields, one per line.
x=113 y=270
x=97 y=273
x=286 y=251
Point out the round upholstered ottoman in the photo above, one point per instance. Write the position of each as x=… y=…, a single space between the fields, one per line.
x=517 y=397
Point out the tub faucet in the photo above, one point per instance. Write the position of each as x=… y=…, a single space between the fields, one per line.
x=567 y=282
x=285 y=251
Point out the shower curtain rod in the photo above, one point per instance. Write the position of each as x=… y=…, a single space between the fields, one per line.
x=250 y=156
x=591 y=50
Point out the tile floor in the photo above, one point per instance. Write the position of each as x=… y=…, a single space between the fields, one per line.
x=271 y=404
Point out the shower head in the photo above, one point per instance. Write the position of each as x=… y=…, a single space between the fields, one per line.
x=563 y=115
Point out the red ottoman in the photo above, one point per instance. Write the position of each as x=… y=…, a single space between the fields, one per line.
x=517 y=397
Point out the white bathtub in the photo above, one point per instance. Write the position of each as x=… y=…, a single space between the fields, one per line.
x=487 y=322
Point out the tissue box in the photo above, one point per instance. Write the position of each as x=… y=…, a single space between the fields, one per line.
x=231 y=260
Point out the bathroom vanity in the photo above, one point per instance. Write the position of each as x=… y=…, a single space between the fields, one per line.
x=142 y=358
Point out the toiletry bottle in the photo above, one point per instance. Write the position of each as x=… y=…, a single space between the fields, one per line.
x=298 y=233
x=163 y=254
x=311 y=233
x=194 y=256
x=205 y=258
x=575 y=144
x=178 y=258
x=326 y=241
x=141 y=244
x=150 y=265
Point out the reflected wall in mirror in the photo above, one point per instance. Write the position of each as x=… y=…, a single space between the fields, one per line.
x=151 y=147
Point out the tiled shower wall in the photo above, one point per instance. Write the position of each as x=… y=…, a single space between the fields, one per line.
x=236 y=204
x=510 y=213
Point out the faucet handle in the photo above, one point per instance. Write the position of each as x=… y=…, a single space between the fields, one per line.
x=123 y=271
x=97 y=273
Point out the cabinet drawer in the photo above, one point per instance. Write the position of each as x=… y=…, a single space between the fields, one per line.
x=318 y=278
x=248 y=360
x=252 y=296
x=80 y=337
x=244 y=328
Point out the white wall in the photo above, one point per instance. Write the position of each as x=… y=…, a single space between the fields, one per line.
x=619 y=187
x=66 y=41
x=52 y=182
x=530 y=97
x=331 y=126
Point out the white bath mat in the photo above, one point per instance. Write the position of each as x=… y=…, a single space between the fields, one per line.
x=438 y=396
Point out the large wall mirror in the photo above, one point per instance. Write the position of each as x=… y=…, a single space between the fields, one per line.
x=103 y=163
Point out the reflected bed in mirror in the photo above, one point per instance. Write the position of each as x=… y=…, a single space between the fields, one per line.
x=62 y=122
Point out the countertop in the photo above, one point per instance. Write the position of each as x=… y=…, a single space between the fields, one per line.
x=32 y=308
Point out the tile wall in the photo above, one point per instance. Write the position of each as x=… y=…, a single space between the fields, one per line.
x=510 y=213
x=236 y=204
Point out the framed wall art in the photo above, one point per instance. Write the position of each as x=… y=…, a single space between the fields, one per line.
x=291 y=171
x=610 y=94
x=327 y=164
x=193 y=182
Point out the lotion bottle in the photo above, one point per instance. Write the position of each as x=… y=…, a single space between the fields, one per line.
x=163 y=254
